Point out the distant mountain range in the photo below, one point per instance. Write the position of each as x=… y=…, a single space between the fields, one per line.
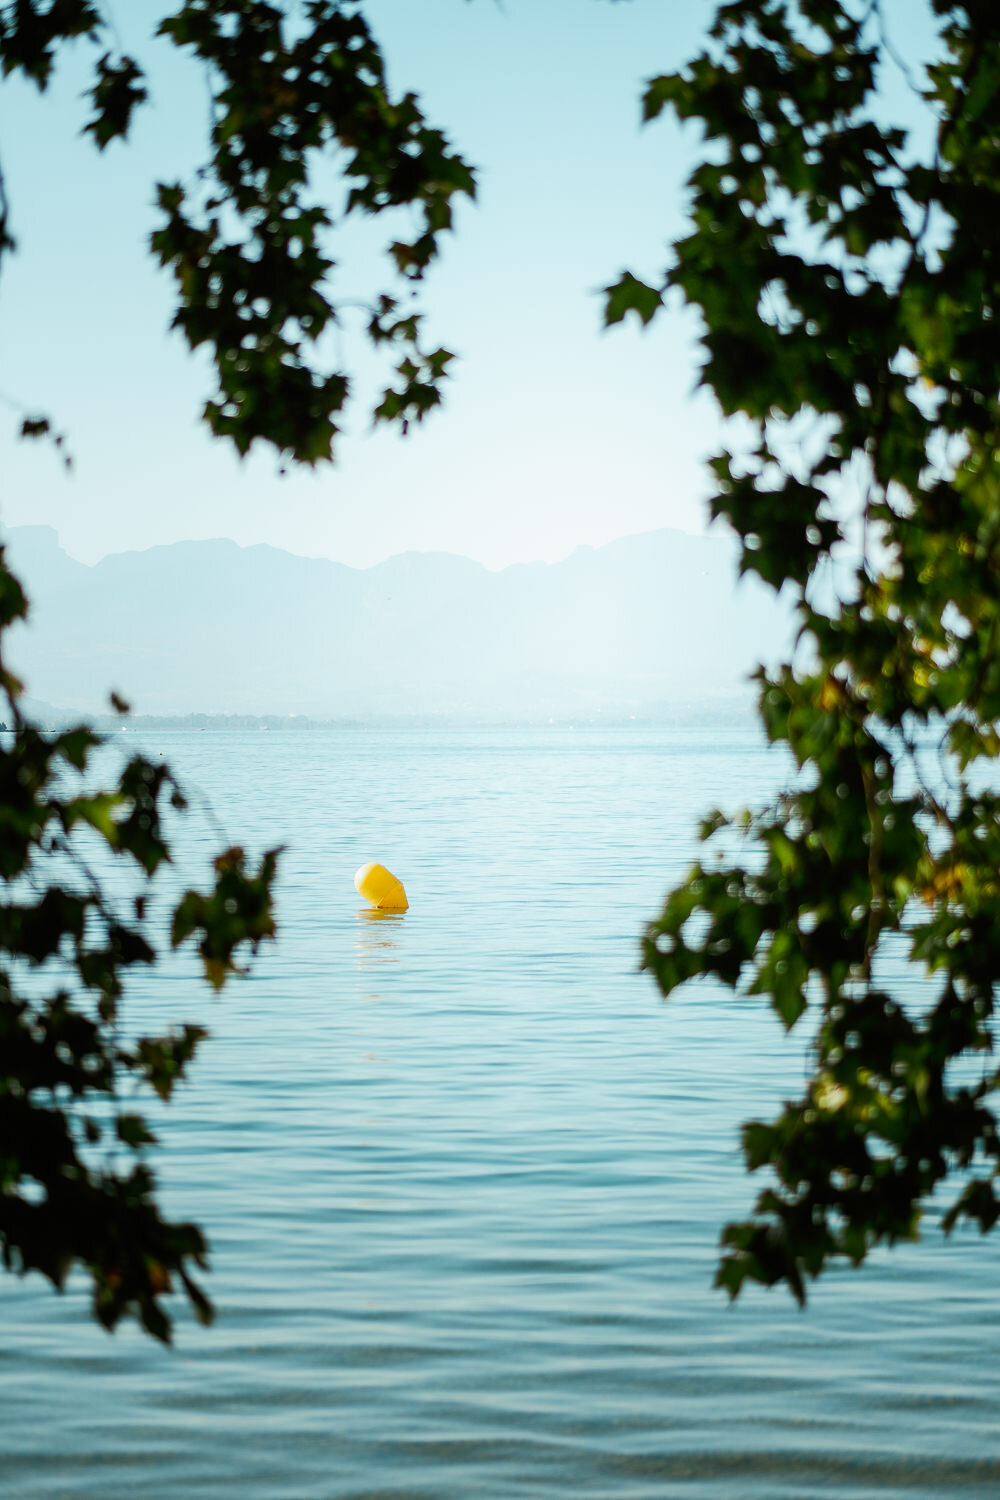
x=210 y=627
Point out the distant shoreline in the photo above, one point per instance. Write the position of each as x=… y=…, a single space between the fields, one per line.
x=715 y=712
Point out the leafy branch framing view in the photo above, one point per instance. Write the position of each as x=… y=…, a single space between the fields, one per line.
x=848 y=290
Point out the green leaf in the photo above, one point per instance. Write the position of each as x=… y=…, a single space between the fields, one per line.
x=628 y=294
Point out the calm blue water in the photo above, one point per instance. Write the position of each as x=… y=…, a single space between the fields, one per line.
x=463 y=1174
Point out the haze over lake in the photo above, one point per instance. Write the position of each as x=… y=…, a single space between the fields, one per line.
x=631 y=628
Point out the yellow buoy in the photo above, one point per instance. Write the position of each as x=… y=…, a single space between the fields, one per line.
x=380 y=888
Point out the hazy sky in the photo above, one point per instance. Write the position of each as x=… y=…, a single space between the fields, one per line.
x=554 y=432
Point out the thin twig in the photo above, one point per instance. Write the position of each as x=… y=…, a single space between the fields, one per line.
x=890 y=49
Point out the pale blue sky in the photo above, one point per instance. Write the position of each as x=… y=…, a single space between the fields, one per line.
x=554 y=432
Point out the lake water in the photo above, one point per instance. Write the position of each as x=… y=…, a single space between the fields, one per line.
x=463 y=1173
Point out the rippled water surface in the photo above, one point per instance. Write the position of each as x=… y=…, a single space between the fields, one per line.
x=463 y=1174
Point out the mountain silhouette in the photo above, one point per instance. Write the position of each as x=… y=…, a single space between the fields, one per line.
x=211 y=627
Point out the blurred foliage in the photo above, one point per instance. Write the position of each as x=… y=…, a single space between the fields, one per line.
x=848 y=288
x=76 y=1188
x=291 y=88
